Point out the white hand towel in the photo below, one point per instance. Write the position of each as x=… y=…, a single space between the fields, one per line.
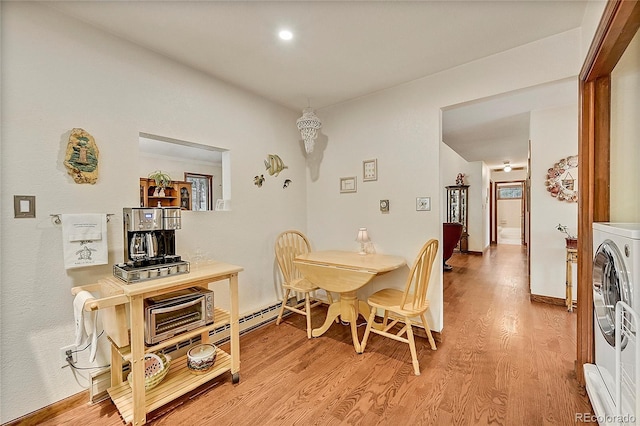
x=84 y=240
x=86 y=323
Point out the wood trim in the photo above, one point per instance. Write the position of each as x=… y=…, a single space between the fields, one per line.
x=619 y=23
x=593 y=204
x=51 y=411
x=493 y=220
x=556 y=301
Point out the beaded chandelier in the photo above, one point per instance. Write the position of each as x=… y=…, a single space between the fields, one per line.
x=308 y=125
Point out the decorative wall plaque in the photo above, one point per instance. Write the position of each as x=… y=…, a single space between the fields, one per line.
x=560 y=183
x=81 y=159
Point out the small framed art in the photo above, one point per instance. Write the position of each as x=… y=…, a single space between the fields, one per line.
x=348 y=184
x=24 y=206
x=369 y=170
x=423 y=203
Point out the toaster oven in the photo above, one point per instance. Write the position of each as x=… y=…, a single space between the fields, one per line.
x=176 y=312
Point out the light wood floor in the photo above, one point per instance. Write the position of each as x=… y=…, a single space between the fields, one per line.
x=504 y=361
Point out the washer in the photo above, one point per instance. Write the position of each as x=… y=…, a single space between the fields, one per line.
x=616 y=276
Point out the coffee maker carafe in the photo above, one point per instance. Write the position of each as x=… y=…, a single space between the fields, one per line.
x=137 y=248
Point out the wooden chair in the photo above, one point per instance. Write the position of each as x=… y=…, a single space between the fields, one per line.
x=404 y=305
x=290 y=244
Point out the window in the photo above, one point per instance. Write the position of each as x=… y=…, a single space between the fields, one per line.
x=201 y=191
x=509 y=192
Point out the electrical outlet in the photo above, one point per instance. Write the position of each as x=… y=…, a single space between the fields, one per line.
x=63 y=355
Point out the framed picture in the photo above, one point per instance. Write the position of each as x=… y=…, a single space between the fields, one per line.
x=423 y=203
x=369 y=170
x=24 y=206
x=348 y=184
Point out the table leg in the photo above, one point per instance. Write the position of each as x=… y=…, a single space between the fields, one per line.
x=332 y=313
x=349 y=305
x=363 y=309
x=347 y=308
x=354 y=329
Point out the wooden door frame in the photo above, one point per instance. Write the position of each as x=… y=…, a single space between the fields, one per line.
x=493 y=238
x=618 y=25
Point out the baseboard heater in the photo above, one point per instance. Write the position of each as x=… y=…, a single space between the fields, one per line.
x=101 y=379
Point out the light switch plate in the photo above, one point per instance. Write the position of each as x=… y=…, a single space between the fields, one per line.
x=423 y=203
x=384 y=206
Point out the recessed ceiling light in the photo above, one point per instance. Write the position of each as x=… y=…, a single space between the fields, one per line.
x=285 y=35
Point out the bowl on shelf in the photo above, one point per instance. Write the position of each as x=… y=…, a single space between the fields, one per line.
x=156 y=367
x=201 y=358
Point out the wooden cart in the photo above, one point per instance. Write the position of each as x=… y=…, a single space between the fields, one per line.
x=133 y=402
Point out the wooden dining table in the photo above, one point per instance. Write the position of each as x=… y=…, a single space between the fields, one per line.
x=345 y=272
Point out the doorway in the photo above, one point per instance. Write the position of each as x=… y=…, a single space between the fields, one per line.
x=509 y=213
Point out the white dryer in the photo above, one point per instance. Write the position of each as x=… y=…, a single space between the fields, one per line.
x=616 y=276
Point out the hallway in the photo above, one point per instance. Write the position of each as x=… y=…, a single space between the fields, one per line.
x=519 y=355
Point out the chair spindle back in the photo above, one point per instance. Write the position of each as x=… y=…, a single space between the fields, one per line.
x=290 y=244
x=415 y=291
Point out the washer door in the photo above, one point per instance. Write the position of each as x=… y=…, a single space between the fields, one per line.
x=610 y=284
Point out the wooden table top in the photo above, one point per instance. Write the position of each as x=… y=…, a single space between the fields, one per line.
x=203 y=272
x=376 y=263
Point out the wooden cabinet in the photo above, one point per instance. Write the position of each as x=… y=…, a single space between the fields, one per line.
x=132 y=401
x=457 y=211
x=178 y=194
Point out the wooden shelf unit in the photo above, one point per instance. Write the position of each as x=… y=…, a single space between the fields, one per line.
x=176 y=383
x=132 y=401
x=177 y=194
x=221 y=318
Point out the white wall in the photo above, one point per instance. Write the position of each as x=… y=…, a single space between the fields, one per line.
x=514 y=175
x=590 y=20
x=509 y=212
x=625 y=136
x=554 y=135
x=478 y=209
x=58 y=74
x=451 y=163
x=486 y=208
x=401 y=128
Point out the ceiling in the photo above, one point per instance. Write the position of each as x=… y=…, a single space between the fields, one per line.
x=496 y=130
x=341 y=50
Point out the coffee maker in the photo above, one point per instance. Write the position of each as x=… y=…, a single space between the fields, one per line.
x=150 y=244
